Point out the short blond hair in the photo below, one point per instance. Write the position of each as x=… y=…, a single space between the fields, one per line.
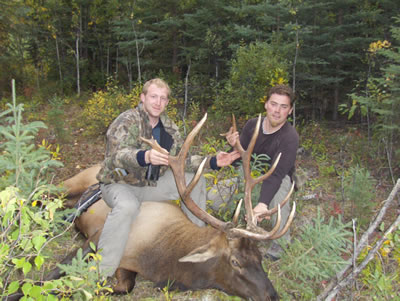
x=158 y=82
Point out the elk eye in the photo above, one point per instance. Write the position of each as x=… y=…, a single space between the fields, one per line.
x=235 y=263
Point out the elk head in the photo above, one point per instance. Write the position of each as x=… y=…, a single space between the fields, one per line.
x=239 y=270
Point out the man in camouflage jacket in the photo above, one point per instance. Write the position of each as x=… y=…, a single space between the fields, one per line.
x=133 y=173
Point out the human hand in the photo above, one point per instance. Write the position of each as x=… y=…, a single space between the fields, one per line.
x=259 y=210
x=232 y=137
x=225 y=159
x=155 y=157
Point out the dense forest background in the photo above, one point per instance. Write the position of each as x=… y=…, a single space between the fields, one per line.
x=78 y=64
x=321 y=47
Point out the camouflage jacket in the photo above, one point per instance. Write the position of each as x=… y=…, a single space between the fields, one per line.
x=123 y=144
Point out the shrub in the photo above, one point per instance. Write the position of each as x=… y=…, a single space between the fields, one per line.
x=255 y=69
x=27 y=225
x=22 y=164
x=381 y=275
x=359 y=189
x=30 y=219
x=105 y=106
x=55 y=118
x=314 y=256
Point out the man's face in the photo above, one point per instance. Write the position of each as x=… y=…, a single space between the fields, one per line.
x=278 y=109
x=155 y=100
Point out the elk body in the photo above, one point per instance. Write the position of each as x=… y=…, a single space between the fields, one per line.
x=165 y=246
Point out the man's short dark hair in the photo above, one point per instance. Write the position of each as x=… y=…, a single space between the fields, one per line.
x=282 y=90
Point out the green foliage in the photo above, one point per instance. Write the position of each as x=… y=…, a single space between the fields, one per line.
x=22 y=164
x=233 y=177
x=105 y=106
x=55 y=118
x=168 y=295
x=217 y=179
x=255 y=69
x=27 y=225
x=381 y=274
x=83 y=280
x=377 y=100
x=30 y=218
x=314 y=255
x=359 y=189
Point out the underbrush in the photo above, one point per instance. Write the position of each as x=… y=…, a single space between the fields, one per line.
x=335 y=206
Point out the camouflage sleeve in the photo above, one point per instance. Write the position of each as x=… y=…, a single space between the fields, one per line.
x=123 y=142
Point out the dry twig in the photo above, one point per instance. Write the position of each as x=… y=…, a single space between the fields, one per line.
x=336 y=285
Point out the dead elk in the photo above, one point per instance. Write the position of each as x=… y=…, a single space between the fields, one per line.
x=165 y=246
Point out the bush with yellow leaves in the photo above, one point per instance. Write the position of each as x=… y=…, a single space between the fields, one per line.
x=381 y=275
x=105 y=106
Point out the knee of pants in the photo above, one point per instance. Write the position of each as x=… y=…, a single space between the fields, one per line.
x=125 y=205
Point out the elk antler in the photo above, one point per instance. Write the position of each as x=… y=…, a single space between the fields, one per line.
x=177 y=164
x=252 y=230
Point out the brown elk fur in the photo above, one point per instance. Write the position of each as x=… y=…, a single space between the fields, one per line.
x=164 y=246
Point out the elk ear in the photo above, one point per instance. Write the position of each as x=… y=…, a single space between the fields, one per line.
x=200 y=254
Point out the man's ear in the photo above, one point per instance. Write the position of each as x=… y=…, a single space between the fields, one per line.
x=142 y=97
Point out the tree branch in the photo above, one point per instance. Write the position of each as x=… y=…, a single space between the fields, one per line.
x=334 y=287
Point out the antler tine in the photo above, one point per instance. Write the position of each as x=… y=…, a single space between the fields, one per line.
x=288 y=223
x=249 y=181
x=191 y=205
x=234 y=123
x=273 y=210
x=234 y=127
x=154 y=144
x=237 y=212
x=177 y=164
x=189 y=139
x=257 y=233
x=261 y=234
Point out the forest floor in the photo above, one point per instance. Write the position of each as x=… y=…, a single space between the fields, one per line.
x=78 y=151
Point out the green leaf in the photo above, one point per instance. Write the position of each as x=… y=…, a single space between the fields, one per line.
x=13 y=287
x=26 y=268
x=26 y=288
x=38 y=242
x=39 y=260
x=19 y=263
x=92 y=246
x=35 y=292
x=51 y=298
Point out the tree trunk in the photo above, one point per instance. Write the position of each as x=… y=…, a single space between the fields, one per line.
x=116 y=63
x=59 y=66
x=108 y=61
x=174 y=52
x=335 y=103
x=294 y=71
x=78 y=85
x=137 y=55
x=186 y=97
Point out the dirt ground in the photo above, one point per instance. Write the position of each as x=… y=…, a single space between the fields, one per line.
x=79 y=151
